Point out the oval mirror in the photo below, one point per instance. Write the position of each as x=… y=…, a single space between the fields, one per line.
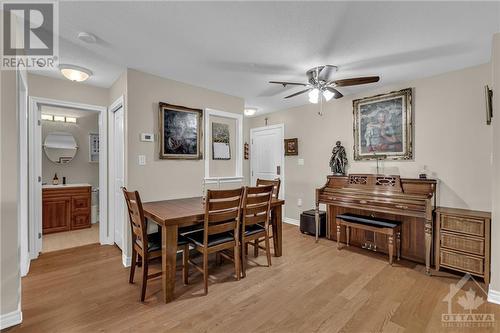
x=60 y=147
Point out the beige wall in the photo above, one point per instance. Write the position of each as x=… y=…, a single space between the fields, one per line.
x=10 y=269
x=163 y=179
x=65 y=90
x=79 y=170
x=495 y=224
x=451 y=139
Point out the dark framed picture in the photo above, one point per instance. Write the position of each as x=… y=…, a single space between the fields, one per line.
x=383 y=126
x=291 y=147
x=180 y=132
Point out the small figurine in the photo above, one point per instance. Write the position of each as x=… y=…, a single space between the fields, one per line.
x=338 y=161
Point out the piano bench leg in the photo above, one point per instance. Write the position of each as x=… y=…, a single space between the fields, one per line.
x=347 y=234
x=338 y=236
x=391 y=248
x=398 y=243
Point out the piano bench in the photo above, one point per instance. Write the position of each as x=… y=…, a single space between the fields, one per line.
x=379 y=225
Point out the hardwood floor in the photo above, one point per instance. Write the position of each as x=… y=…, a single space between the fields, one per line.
x=68 y=239
x=312 y=288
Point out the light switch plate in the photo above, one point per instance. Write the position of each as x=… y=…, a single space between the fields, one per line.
x=142 y=159
x=300 y=161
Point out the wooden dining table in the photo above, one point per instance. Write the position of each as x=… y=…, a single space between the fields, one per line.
x=176 y=213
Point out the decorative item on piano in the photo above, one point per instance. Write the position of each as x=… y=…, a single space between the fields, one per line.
x=383 y=126
x=338 y=161
x=423 y=173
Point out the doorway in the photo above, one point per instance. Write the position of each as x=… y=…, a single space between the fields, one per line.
x=267 y=154
x=76 y=208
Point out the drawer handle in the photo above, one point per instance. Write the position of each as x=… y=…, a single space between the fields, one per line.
x=401 y=206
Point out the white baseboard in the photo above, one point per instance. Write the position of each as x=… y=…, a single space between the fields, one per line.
x=11 y=319
x=493 y=296
x=126 y=261
x=291 y=221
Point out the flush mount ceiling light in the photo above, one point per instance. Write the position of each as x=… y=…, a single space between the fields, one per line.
x=250 y=111
x=75 y=73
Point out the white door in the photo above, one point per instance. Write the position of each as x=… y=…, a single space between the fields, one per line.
x=119 y=175
x=267 y=154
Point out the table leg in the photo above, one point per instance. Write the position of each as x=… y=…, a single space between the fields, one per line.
x=168 y=261
x=277 y=231
x=428 y=245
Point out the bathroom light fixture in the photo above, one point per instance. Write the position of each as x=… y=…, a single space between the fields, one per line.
x=75 y=73
x=59 y=118
x=250 y=111
x=71 y=120
x=48 y=117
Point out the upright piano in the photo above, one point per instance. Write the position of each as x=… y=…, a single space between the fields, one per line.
x=408 y=200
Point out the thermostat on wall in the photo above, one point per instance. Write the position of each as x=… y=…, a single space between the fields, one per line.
x=147 y=137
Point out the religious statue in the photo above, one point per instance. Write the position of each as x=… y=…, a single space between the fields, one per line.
x=338 y=162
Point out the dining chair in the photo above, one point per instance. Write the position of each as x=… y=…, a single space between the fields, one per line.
x=276 y=183
x=147 y=246
x=256 y=213
x=220 y=230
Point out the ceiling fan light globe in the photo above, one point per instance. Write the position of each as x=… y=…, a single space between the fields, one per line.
x=328 y=95
x=314 y=96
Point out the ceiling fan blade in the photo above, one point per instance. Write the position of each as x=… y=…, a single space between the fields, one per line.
x=298 y=93
x=355 y=81
x=336 y=93
x=288 y=83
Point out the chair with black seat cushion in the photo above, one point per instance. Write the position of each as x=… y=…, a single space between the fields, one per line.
x=147 y=246
x=255 y=221
x=220 y=229
x=276 y=184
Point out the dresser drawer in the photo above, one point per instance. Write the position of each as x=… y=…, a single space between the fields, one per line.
x=81 y=202
x=464 y=225
x=460 y=261
x=463 y=243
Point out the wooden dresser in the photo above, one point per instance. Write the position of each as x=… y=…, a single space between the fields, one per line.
x=65 y=208
x=463 y=241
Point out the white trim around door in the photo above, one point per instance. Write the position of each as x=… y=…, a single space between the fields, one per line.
x=35 y=172
x=282 y=155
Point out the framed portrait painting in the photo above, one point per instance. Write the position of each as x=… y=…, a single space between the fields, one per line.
x=291 y=147
x=180 y=132
x=383 y=126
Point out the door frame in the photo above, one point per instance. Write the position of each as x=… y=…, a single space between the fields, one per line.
x=24 y=161
x=35 y=181
x=282 y=176
x=117 y=104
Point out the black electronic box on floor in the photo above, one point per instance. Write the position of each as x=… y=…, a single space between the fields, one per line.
x=308 y=224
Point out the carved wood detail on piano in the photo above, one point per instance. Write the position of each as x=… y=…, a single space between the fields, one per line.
x=386 y=196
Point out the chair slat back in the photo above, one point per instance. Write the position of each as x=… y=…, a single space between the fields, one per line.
x=136 y=218
x=276 y=183
x=222 y=212
x=257 y=205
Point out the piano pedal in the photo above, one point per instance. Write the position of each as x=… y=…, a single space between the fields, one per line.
x=369 y=246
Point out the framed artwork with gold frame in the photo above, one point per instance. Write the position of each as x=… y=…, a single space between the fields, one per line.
x=180 y=132
x=383 y=126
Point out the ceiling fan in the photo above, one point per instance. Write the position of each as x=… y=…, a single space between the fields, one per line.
x=320 y=81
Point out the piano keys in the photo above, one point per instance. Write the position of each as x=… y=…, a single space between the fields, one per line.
x=409 y=200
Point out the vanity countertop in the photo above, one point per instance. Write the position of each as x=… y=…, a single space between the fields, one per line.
x=65 y=186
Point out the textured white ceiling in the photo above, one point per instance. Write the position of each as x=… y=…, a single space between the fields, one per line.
x=237 y=47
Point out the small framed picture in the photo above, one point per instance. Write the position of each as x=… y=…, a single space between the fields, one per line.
x=291 y=147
